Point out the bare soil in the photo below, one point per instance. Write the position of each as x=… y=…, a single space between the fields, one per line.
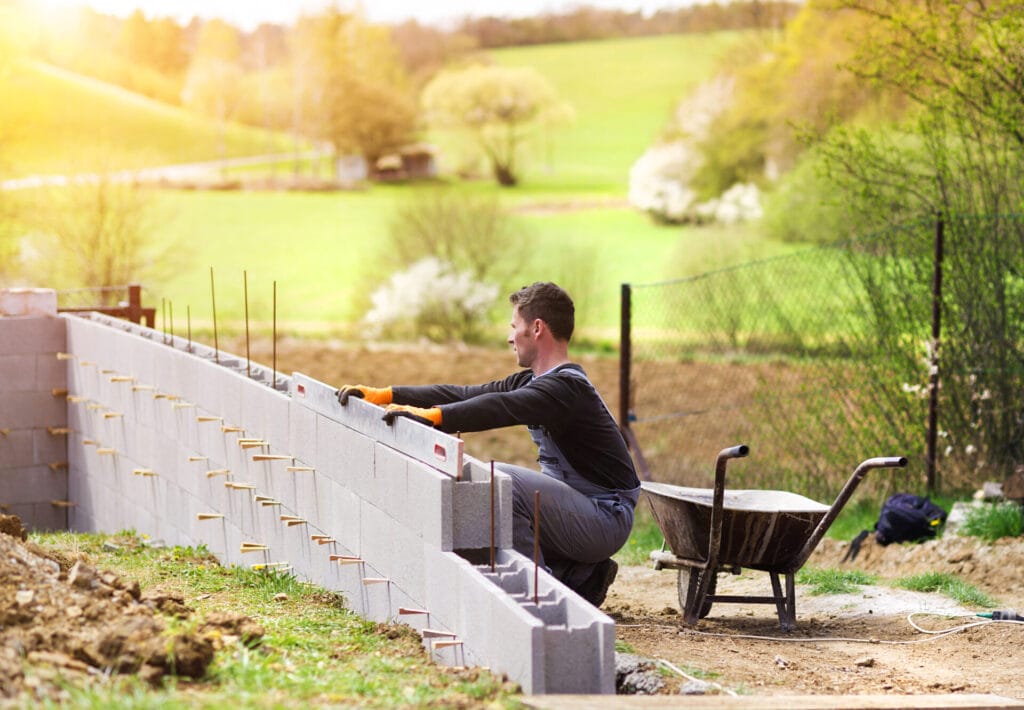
x=858 y=643
x=64 y=622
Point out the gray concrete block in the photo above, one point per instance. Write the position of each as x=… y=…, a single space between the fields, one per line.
x=394 y=549
x=50 y=372
x=32 y=484
x=387 y=487
x=345 y=455
x=302 y=432
x=47 y=448
x=31 y=410
x=31 y=334
x=471 y=514
x=268 y=411
x=430 y=512
x=17 y=448
x=18 y=372
x=40 y=517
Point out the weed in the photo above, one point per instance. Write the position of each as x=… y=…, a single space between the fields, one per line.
x=991 y=522
x=949 y=585
x=833 y=581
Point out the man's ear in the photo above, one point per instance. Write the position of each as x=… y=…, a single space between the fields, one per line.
x=538 y=326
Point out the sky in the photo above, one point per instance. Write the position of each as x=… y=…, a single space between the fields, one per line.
x=247 y=14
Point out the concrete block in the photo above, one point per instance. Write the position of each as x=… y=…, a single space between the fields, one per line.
x=31 y=410
x=394 y=549
x=430 y=510
x=471 y=516
x=302 y=432
x=387 y=487
x=32 y=484
x=28 y=302
x=40 y=517
x=266 y=410
x=18 y=372
x=344 y=455
x=47 y=448
x=17 y=448
x=31 y=334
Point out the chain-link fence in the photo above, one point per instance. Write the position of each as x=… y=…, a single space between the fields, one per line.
x=827 y=356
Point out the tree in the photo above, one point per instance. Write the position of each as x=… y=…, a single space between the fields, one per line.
x=213 y=82
x=350 y=86
x=94 y=233
x=499 y=106
x=959 y=154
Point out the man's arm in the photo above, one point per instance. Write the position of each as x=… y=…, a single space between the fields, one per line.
x=433 y=395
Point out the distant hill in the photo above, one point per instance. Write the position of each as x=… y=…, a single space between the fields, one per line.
x=55 y=121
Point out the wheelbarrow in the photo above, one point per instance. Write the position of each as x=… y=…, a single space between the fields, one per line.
x=711 y=531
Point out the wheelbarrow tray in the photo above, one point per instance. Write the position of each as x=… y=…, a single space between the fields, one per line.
x=761 y=529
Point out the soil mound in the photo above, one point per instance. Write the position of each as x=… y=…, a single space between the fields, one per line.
x=57 y=621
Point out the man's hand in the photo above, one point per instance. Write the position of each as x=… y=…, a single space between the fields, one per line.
x=430 y=417
x=373 y=395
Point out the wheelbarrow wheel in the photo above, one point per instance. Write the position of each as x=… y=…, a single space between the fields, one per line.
x=685 y=579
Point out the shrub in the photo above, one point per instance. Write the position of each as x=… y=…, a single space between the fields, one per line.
x=432 y=300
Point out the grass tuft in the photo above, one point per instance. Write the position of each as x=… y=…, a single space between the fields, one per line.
x=947 y=584
x=991 y=522
x=645 y=537
x=833 y=581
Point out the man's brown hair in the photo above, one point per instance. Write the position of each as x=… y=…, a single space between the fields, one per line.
x=550 y=303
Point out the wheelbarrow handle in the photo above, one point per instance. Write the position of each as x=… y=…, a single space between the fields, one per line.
x=841 y=500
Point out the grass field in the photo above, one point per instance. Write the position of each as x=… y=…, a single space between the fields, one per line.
x=52 y=121
x=623 y=92
x=326 y=251
x=323 y=248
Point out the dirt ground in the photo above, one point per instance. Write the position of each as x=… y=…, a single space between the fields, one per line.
x=62 y=620
x=851 y=644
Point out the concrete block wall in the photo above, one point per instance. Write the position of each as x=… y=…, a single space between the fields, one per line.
x=33 y=413
x=178 y=442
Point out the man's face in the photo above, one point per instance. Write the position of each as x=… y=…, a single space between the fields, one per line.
x=521 y=339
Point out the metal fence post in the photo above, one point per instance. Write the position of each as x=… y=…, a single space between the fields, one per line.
x=933 y=370
x=625 y=356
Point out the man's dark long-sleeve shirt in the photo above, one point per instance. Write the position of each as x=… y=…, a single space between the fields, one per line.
x=564 y=403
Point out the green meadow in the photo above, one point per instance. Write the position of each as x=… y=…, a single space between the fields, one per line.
x=327 y=251
x=56 y=122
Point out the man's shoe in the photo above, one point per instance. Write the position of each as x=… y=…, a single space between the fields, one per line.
x=595 y=589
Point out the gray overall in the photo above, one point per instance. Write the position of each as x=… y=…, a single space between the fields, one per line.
x=581 y=523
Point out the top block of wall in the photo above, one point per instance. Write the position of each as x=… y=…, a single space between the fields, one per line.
x=28 y=302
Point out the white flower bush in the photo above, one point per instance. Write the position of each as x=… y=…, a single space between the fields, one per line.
x=431 y=299
x=659 y=181
x=740 y=203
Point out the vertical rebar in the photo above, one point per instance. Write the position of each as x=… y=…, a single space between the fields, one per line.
x=170 y=312
x=536 y=545
x=273 y=336
x=163 y=321
x=492 y=515
x=245 y=294
x=933 y=369
x=213 y=299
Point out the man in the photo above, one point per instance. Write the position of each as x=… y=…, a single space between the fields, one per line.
x=588 y=485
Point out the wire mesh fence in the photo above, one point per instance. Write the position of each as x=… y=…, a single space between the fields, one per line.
x=828 y=356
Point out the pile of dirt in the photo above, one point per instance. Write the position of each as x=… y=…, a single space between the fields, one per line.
x=62 y=618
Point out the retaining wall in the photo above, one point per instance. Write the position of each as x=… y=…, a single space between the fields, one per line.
x=196 y=447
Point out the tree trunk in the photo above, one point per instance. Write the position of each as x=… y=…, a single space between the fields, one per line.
x=505 y=176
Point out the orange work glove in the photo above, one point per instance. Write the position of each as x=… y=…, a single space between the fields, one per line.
x=373 y=395
x=430 y=417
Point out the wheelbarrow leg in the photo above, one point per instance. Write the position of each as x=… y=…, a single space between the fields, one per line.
x=785 y=604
